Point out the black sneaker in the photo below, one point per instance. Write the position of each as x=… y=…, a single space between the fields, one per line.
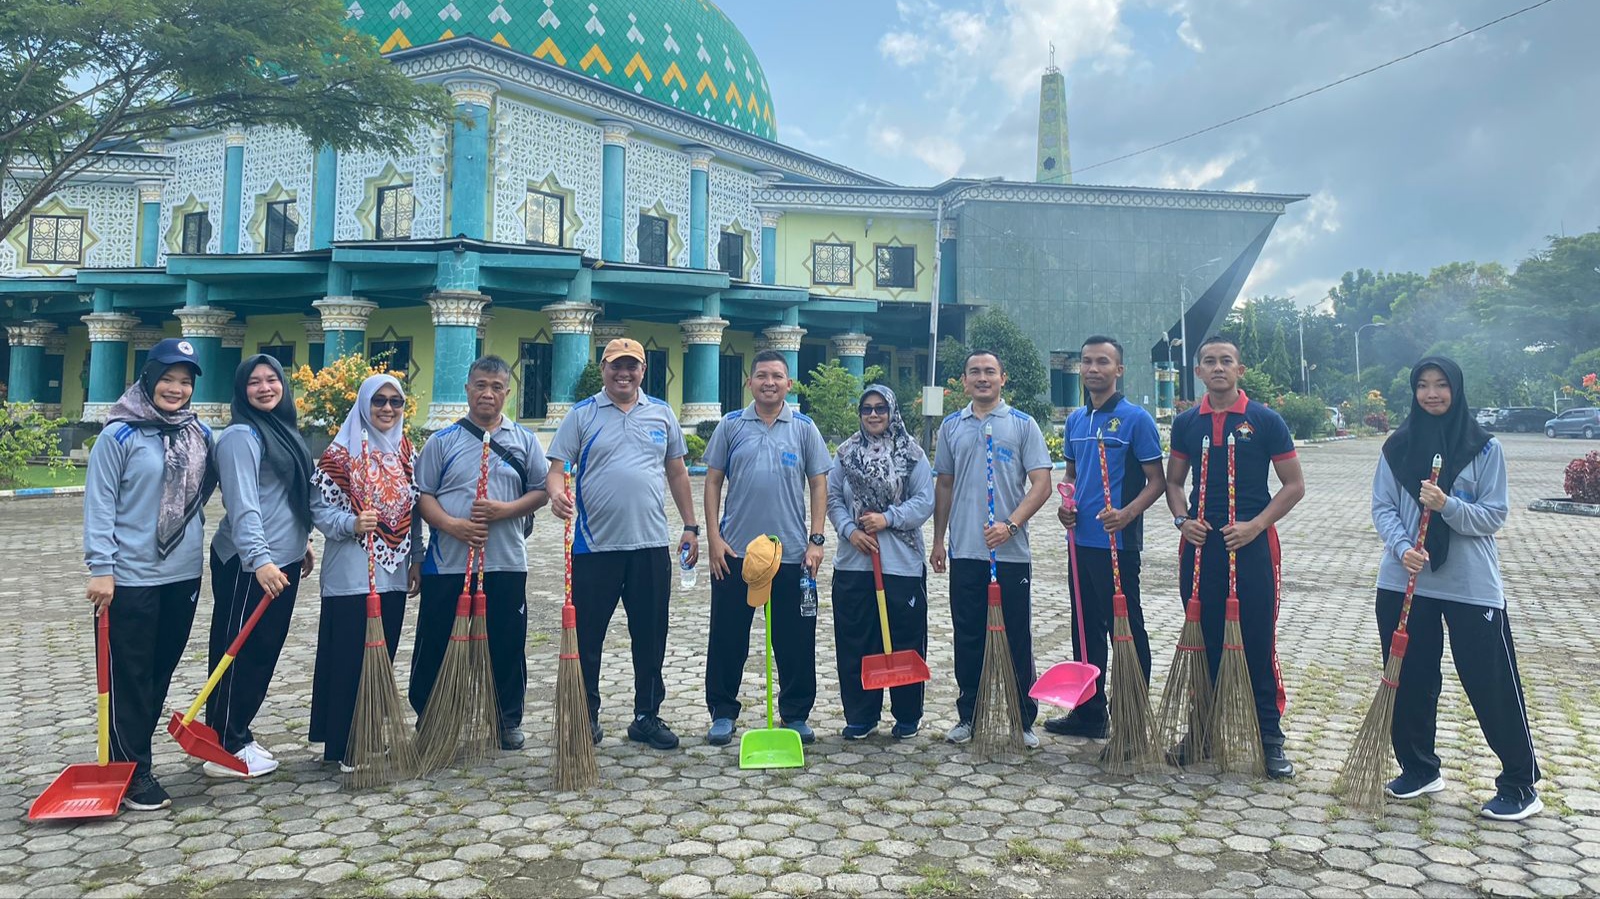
x=597 y=732
x=1410 y=786
x=1278 y=765
x=512 y=739
x=653 y=732
x=1076 y=725
x=1183 y=754
x=145 y=794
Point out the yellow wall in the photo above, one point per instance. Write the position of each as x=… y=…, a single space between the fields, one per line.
x=798 y=230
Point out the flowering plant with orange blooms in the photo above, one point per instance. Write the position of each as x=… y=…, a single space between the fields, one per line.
x=324 y=398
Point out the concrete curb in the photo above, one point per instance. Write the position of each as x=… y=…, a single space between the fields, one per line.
x=1565 y=507
x=36 y=492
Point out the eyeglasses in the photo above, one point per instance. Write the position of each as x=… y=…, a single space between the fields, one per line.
x=875 y=409
x=393 y=402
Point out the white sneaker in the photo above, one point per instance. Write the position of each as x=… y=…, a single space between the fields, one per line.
x=961 y=733
x=346 y=769
x=1030 y=739
x=262 y=751
x=255 y=764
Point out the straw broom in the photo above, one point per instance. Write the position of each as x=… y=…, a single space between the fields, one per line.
x=1236 y=731
x=380 y=748
x=997 y=719
x=574 y=760
x=1132 y=744
x=1366 y=768
x=480 y=731
x=1185 y=713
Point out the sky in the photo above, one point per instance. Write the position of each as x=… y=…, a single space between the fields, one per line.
x=1478 y=150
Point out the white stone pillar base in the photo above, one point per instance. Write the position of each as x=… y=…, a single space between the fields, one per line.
x=216 y=415
x=554 y=413
x=691 y=414
x=97 y=412
x=50 y=410
x=443 y=415
x=1058 y=414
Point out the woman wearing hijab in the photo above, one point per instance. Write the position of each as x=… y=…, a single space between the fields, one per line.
x=1458 y=584
x=152 y=455
x=261 y=547
x=880 y=492
x=361 y=494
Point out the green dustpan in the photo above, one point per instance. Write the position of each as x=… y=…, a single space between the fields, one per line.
x=774 y=747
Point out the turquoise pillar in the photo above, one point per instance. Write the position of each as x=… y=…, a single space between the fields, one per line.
x=232 y=184
x=1166 y=384
x=699 y=204
x=324 y=197
x=571 y=329
x=26 y=381
x=344 y=325
x=702 y=344
x=469 y=157
x=851 y=350
x=1072 y=384
x=769 y=247
x=204 y=327
x=614 y=190
x=314 y=342
x=109 y=337
x=455 y=337
x=149 y=223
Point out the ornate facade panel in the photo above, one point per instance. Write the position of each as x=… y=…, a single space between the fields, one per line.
x=733 y=209
x=276 y=156
x=656 y=175
x=531 y=145
x=423 y=167
x=108 y=235
x=198 y=166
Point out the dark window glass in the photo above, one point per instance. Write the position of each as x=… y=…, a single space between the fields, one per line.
x=281 y=227
x=655 y=373
x=652 y=240
x=55 y=239
x=833 y=263
x=896 y=267
x=395 y=210
x=395 y=353
x=283 y=352
x=545 y=221
x=730 y=254
x=536 y=361
x=730 y=382
x=196 y=233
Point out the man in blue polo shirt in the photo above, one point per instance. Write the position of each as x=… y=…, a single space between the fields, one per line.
x=1133 y=462
x=1261 y=443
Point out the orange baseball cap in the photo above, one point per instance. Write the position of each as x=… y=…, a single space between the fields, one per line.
x=761 y=560
x=623 y=346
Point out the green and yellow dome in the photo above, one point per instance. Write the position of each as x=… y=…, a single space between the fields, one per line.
x=683 y=53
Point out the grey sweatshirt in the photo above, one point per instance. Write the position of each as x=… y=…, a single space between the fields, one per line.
x=344 y=555
x=905 y=517
x=1475 y=510
x=121 y=496
x=258 y=525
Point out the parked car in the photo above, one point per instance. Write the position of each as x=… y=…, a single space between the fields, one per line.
x=1584 y=422
x=1487 y=416
x=1521 y=419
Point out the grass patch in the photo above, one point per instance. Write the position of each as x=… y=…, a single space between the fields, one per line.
x=44 y=476
x=935 y=881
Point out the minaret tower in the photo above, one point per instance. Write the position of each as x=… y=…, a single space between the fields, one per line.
x=1055 y=157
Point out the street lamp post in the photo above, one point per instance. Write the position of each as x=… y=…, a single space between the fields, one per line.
x=1361 y=395
x=1183 y=322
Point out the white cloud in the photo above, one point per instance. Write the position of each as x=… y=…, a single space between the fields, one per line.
x=1186 y=31
x=902 y=48
x=941 y=154
x=1200 y=175
x=1296 y=234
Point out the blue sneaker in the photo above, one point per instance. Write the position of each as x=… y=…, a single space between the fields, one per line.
x=721 y=732
x=859 y=731
x=807 y=735
x=1513 y=805
x=903 y=731
x=1410 y=786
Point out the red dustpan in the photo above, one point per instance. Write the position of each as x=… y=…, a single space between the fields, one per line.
x=197 y=739
x=84 y=790
x=1069 y=684
x=889 y=669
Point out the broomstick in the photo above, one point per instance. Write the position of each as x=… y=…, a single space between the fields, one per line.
x=1132 y=744
x=443 y=720
x=380 y=748
x=480 y=731
x=1236 y=731
x=574 y=760
x=1186 y=701
x=1367 y=765
x=997 y=720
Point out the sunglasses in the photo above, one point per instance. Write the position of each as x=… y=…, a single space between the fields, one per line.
x=875 y=409
x=393 y=402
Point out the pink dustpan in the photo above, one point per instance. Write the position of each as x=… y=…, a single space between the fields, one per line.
x=1068 y=684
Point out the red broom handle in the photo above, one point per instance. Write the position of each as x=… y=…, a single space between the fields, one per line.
x=1105 y=484
x=374 y=606
x=569 y=612
x=1191 y=612
x=1397 y=643
x=483 y=492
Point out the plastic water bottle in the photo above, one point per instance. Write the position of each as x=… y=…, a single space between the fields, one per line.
x=808 y=594
x=688 y=575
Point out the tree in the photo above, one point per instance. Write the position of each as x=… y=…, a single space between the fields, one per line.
x=832 y=393
x=80 y=79
x=1027 y=379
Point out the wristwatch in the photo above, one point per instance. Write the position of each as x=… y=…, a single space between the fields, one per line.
x=692 y=529
x=1011 y=526
x=1179 y=520
x=818 y=539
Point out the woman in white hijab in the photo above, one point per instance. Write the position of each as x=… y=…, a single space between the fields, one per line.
x=363 y=493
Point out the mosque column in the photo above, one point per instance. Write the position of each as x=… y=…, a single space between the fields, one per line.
x=469 y=156
x=232 y=185
x=571 y=330
x=344 y=326
x=851 y=350
x=233 y=346
x=769 y=245
x=1166 y=389
x=699 y=204
x=455 y=337
x=204 y=327
x=28 y=339
x=702 y=341
x=947 y=261
x=316 y=341
x=144 y=339
x=149 y=222
x=613 y=190
x=324 y=199
x=1071 y=383
x=109 y=336
x=786 y=340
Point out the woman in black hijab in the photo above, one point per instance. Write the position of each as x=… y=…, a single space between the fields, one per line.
x=1458 y=583
x=262 y=547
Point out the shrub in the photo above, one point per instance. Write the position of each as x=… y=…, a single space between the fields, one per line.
x=696 y=447
x=1056 y=445
x=25 y=433
x=832 y=393
x=589 y=382
x=1378 y=421
x=705 y=429
x=324 y=398
x=1305 y=415
x=1027 y=379
x=1583 y=479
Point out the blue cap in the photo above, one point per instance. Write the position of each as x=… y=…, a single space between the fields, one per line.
x=174 y=350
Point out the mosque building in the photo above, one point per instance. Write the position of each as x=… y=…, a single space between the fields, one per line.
x=622 y=175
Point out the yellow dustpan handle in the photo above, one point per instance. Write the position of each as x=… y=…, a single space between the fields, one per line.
x=205 y=692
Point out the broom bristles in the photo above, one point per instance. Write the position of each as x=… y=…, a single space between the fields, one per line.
x=1235 y=729
x=1186 y=701
x=997 y=719
x=480 y=730
x=380 y=748
x=1367 y=767
x=1132 y=745
x=439 y=732
x=574 y=761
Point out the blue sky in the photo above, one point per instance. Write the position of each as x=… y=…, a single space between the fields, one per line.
x=1473 y=151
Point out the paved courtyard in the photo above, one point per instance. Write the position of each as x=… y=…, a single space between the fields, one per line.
x=918 y=818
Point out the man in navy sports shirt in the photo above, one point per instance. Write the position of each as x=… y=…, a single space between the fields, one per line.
x=1261 y=442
